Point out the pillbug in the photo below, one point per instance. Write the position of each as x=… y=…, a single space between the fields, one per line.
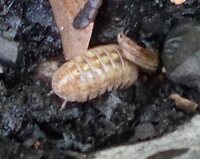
x=91 y=74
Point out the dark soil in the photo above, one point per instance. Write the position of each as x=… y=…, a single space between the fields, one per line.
x=31 y=124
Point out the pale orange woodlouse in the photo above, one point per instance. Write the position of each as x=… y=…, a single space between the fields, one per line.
x=100 y=69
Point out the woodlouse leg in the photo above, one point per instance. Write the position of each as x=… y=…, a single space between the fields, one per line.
x=64 y=102
x=87 y=14
x=63 y=105
x=50 y=93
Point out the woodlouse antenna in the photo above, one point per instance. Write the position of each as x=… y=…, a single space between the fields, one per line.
x=63 y=104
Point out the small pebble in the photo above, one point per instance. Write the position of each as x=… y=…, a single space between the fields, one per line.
x=1 y=69
x=45 y=70
x=8 y=51
x=181 y=54
x=111 y=103
x=144 y=131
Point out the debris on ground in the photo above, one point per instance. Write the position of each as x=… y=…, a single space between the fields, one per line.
x=181 y=54
x=31 y=125
x=8 y=51
x=46 y=69
x=74 y=41
x=144 y=131
x=181 y=144
x=88 y=14
x=183 y=103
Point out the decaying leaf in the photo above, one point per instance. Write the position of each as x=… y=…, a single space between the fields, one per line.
x=74 y=41
x=183 y=103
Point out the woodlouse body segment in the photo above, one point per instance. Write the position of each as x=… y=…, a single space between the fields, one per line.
x=91 y=74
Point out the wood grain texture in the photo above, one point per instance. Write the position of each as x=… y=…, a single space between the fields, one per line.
x=99 y=70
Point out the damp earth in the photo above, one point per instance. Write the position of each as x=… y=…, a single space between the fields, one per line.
x=31 y=123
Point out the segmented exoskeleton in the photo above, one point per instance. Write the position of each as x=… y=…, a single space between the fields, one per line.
x=100 y=69
x=91 y=74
